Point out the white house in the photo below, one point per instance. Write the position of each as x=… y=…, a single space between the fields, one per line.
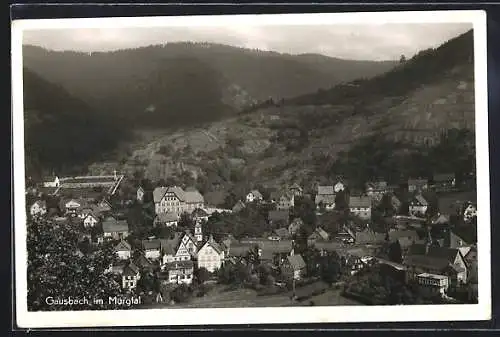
x=338 y=187
x=187 y=249
x=90 y=220
x=38 y=208
x=361 y=207
x=210 y=256
x=470 y=212
x=418 y=205
x=130 y=276
x=254 y=196
x=152 y=249
x=51 y=181
x=123 y=250
x=433 y=284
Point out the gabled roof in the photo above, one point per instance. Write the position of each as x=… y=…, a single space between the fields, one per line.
x=256 y=194
x=142 y=261
x=443 y=177
x=320 y=233
x=324 y=198
x=296 y=261
x=140 y=189
x=420 y=200
x=396 y=235
x=123 y=246
x=449 y=254
x=440 y=219
x=193 y=196
x=169 y=246
x=167 y=217
x=418 y=181
x=130 y=270
x=282 y=232
x=295 y=186
x=159 y=193
x=325 y=190
x=238 y=206
x=278 y=215
x=110 y=225
x=360 y=202
x=151 y=244
x=199 y=212
x=369 y=236
x=377 y=185
x=217 y=247
x=40 y=203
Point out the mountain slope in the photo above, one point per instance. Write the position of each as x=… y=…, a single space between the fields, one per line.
x=378 y=127
x=61 y=131
x=124 y=82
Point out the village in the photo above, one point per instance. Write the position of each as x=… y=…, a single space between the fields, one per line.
x=413 y=243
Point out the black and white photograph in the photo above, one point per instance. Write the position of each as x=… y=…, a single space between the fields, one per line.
x=239 y=169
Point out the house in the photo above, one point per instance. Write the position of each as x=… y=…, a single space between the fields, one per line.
x=211 y=255
x=346 y=235
x=169 y=247
x=455 y=240
x=278 y=218
x=376 y=189
x=396 y=271
x=140 y=194
x=285 y=201
x=295 y=225
x=417 y=205
x=104 y=205
x=175 y=200
x=187 y=249
x=327 y=201
x=198 y=232
x=361 y=206
x=115 y=229
x=396 y=203
x=319 y=234
x=470 y=212
x=443 y=180
x=296 y=190
x=38 y=208
x=51 y=181
x=90 y=220
x=433 y=284
x=440 y=219
x=179 y=272
x=406 y=238
x=240 y=205
x=369 y=237
x=123 y=250
x=200 y=214
x=282 y=233
x=293 y=267
x=143 y=263
x=417 y=185
x=339 y=186
x=168 y=219
x=152 y=248
x=254 y=195
x=72 y=206
x=424 y=258
x=130 y=276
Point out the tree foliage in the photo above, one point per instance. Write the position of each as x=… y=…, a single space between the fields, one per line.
x=55 y=269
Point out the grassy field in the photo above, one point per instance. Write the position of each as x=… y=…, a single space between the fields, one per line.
x=219 y=298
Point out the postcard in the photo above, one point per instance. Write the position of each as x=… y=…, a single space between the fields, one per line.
x=251 y=169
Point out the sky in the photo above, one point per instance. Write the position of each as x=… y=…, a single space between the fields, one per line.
x=347 y=41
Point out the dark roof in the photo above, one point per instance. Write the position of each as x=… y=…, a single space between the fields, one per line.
x=443 y=177
x=448 y=254
x=110 y=225
x=123 y=246
x=169 y=246
x=142 y=261
x=396 y=235
x=418 y=181
x=369 y=236
x=238 y=206
x=215 y=198
x=166 y=217
x=325 y=190
x=199 y=212
x=424 y=261
x=130 y=270
x=324 y=198
x=296 y=261
x=360 y=202
x=282 y=232
x=151 y=244
x=179 y=265
x=256 y=194
x=278 y=215
x=159 y=193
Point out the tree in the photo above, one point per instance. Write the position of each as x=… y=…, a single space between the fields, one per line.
x=54 y=269
x=402 y=59
x=395 y=252
x=201 y=275
x=341 y=201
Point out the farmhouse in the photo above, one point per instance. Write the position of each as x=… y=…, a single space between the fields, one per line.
x=123 y=250
x=210 y=255
x=115 y=229
x=38 y=208
x=168 y=219
x=254 y=195
x=361 y=207
x=418 y=205
x=152 y=248
x=179 y=272
x=417 y=185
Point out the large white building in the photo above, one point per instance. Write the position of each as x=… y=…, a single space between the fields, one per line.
x=210 y=256
x=175 y=200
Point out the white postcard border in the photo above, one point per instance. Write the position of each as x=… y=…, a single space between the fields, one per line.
x=219 y=316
